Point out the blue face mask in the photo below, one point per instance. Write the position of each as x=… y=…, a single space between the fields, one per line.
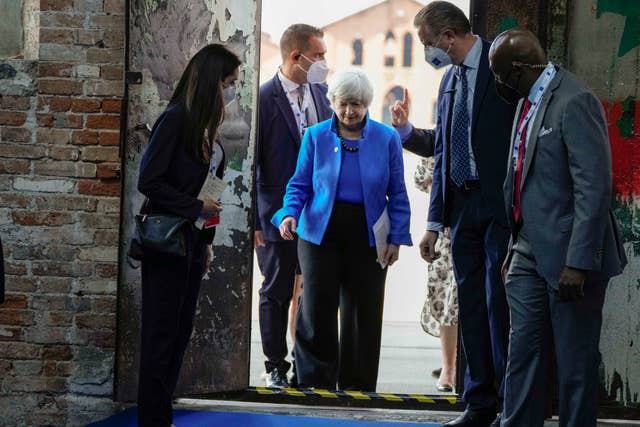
x=437 y=57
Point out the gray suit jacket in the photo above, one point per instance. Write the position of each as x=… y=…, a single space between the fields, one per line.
x=566 y=184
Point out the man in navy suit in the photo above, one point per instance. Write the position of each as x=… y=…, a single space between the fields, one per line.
x=470 y=146
x=289 y=103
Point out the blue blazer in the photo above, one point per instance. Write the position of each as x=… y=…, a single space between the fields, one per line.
x=312 y=190
x=277 y=149
x=490 y=138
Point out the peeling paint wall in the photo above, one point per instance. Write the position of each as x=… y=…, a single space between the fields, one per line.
x=604 y=50
x=163 y=37
x=30 y=23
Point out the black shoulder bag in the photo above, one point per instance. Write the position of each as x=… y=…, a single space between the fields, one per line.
x=159 y=233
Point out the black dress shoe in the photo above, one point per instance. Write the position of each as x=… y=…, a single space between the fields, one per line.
x=276 y=379
x=496 y=422
x=472 y=419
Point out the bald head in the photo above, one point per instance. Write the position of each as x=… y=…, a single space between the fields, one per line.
x=516 y=59
x=516 y=45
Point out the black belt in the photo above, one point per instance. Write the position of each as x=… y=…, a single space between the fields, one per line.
x=468 y=185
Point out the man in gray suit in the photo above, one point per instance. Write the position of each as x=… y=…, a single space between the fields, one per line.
x=565 y=245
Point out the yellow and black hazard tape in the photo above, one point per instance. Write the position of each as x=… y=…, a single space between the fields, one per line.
x=356 y=395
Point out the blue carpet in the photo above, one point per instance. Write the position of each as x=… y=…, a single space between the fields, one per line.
x=183 y=418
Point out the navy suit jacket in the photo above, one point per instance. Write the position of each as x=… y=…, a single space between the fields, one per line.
x=490 y=137
x=491 y=121
x=169 y=177
x=278 y=147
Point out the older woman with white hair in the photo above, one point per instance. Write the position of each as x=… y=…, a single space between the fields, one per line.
x=348 y=176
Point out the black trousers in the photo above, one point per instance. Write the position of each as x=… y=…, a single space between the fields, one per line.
x=341 y=273
x=277 y=262
x=170 y=287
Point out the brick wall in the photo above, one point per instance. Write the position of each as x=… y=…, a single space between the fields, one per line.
x=59 y=216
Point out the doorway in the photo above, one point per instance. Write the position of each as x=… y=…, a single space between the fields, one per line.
x=225 y=352
x=356 y=35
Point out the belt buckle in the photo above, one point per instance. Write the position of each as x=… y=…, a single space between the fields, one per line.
x=470 y=184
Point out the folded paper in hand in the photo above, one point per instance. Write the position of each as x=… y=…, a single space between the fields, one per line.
x=381 y=230
x=211 y=190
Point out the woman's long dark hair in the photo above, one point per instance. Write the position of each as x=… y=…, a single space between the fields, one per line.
x=200 y=91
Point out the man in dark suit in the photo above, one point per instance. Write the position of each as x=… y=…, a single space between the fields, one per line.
x=289 y=103
x=470 y=167
x=565 y=242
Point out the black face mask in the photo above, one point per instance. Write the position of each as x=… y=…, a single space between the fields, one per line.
x=507 y=93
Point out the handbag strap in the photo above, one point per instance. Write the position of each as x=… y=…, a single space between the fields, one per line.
x=144 y=209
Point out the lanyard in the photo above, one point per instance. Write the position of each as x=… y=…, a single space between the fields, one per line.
x=548 y=73
x=299 y=110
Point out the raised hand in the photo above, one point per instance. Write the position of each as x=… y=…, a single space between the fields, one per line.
x=400 y=110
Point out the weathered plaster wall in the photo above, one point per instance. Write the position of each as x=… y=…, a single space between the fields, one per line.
x=604 y=50
x=31 y=25
x=599 y=41
x=11 y=34
x=19 y=35
x=163 y=37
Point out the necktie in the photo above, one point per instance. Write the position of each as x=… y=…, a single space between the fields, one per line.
x=522 y=148
x=300 y=96
x=460 y=167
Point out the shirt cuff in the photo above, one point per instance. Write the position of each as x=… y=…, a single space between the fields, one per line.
x=435 y=226
x=405 y=131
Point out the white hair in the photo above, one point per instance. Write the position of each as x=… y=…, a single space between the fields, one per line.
x=351 y=85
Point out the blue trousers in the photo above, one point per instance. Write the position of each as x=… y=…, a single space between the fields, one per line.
x=478 y=248
x=277 y=262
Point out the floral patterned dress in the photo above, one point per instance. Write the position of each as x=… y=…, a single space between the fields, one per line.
x=441 y=305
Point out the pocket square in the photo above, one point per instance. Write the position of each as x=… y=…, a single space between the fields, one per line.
x=544 y=131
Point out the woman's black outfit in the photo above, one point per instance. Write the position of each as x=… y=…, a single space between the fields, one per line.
x=171 y=180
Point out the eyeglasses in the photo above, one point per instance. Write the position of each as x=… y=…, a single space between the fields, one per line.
x=504 y=81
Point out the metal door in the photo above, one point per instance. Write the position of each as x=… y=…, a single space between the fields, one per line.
x=162 y=37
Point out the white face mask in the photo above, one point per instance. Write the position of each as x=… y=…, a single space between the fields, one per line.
x=229 y=95
x=437 y=57
x=317 y=72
